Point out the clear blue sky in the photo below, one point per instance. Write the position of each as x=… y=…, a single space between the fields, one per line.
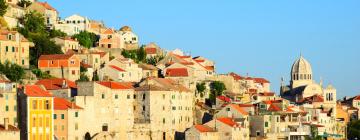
x=261 y=38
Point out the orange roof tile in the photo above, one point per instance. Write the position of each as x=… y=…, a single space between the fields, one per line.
x=63 y=104
x=47 y=6
x=267 y=94
x=239 y=109
x=108 y=31
x=117 y=68
x=55 y=56
x=177 y=72
x=274 y=108
x=115 y=85
x=150 y=50
x=204 y=128
x=357 y=98
x=36 y=91
x=228 y=121
x=56 y=83
x=260 y=80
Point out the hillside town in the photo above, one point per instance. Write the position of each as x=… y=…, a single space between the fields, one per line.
x=74 y=78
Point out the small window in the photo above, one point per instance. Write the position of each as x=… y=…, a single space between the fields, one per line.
x=6 y=108
x=13 y=49
x=102 y=96
x=62 y=116
x=76 y=114
x=266 y=124
x=134 y=96
x=128 y=97
x=72 y=62
x=47 y=105
x=116 y=96
x=55 y=116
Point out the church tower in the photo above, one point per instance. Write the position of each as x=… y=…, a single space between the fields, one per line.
x=301 y=73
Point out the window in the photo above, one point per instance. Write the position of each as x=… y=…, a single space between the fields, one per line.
x=76 y=126
x=266 y=124
x=62 y=116
x=23 y=62
x=143 y=108
x=163 y=96
x=73 y=72
x=262 y=106
x=102 y=96
x=144 y=96
x=76 y=114
x=7 y=108
x=173 y=96
x=54 y=116
x=34 y=104
x=13 y=49
x=174 y=108
x=227 y=109
x=116 y=96
x=134 y=96
x=7 y=48
x=52 y=62
x=128 y=96
x=96 y=60
x=62 y=128
x=47 y=105
x=47 y=123
x=72 y=62
x=163 y=120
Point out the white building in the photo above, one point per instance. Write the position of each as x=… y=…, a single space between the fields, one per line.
x=73 y=24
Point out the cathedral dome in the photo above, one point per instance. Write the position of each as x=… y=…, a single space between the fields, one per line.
x=301 y=66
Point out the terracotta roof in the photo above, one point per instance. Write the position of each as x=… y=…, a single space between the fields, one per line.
x=311 y=99
x=36 y=91
x=115 y=85
x=177 y=72
x=239 y=109
x=228 y=121
x=267 y=94
x=55 y=56
x=102 y=54
x=260 y=80
x=204 y=128
x=224 y=98
x=273 y=107
x=108 y=31
x=246 y=105
x=357 y=98
x=63 y=104
x=272 y=101
x=117 y=68
x=211 y=68
x=199 y=60
x=236 y=76
x=150 y=50
x=11 y=128
x=85 y=65
x=56 y=83
x=252 y=90
x=47 y=6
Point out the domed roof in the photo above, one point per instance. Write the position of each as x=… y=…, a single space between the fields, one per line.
x=301 y=66
x=125 y=28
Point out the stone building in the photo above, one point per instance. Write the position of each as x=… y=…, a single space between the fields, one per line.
x=60 y=65
x=8 y=101
x=14 y=48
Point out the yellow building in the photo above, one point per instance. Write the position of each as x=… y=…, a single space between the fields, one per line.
x=8 y=103
x=36 y=107
x=14 y=48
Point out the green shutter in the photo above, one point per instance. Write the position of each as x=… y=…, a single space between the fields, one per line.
x=55 y=116
x=7 y=108
x=76 y=114
x=266 y=124
x=62 y=116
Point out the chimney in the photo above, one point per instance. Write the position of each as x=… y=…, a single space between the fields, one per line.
x=64 y=84
x=6 y=123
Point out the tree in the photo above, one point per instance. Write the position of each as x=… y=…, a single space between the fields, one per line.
x=86 y=39
x=83 y=78
x=216 y=89
x=3 y=7
x=22 y=3
x=42 y=46
x=56 y=33
x=141 y=54
x=12 y=71
x=200 y=88
x=354 y=130
x=35 y=30
x=153 y=60
x=34 y=24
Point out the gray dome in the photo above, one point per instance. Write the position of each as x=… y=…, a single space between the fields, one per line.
x=301 y=66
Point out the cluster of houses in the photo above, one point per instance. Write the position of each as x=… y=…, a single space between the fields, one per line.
x=139 y=101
